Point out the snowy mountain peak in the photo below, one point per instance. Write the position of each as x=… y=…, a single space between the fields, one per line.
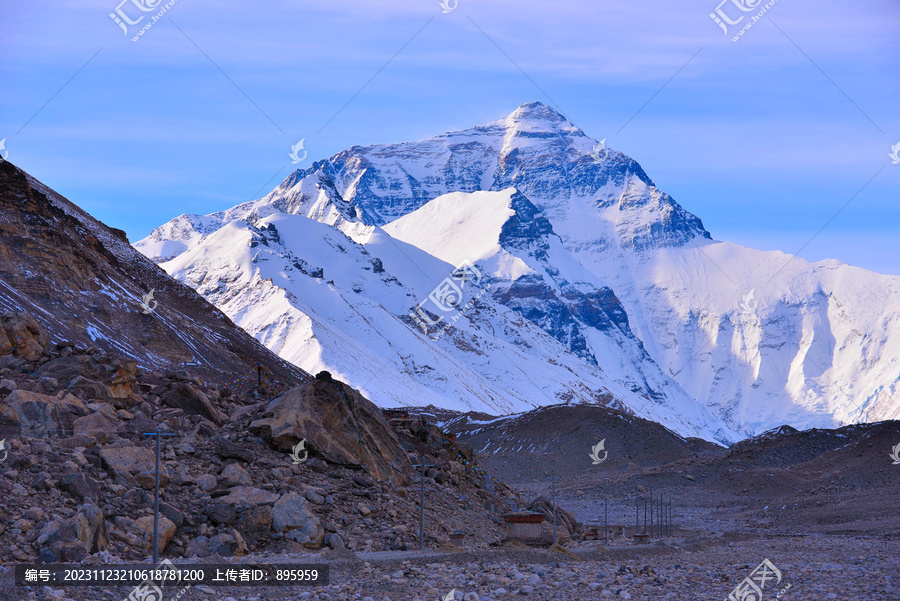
x=587 y=263
x=537 y=111
x=536 y=118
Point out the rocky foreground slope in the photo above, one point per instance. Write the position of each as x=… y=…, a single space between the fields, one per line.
x=77 y=477
x=76 y=485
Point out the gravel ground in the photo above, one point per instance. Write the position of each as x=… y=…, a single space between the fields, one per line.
x=816 y=567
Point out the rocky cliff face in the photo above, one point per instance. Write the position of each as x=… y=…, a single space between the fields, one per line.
x=83 y=283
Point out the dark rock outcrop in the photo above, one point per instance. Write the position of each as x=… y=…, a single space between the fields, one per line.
x=339 y=425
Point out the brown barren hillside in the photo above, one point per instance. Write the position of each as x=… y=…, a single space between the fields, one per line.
x=84 y=284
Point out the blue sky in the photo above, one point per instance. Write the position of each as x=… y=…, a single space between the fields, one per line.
x=765 y=139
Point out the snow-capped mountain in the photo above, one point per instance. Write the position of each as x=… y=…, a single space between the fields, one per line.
x=320 y=299
x=591 y=269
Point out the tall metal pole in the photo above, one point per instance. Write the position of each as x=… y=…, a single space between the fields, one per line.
x=605 y=521
x=158 y=436
x=662 y=518
x=422 y=509
x=644 y=529
x=553 y=478
x=651 y=513
x=156 y=504
x=637 y=511
x=422 y=502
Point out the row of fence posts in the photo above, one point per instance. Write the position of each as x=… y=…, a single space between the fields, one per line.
x=656 y=509
x=662 y=511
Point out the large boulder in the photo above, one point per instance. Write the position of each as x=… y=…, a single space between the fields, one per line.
x=292 y=515
x=339 y=425
x=21 y=335
x=193 y=402
x=40 y=415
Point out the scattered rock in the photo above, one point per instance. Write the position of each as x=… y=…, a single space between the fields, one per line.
x=80 y=486
x=226 y=449
x=90 y=528
x=207 y=482
x=96 y=425
x=144 y=526
x=171 y=512
x=220 y=513
x=228 y=544
x=186 y=397
x=198 y=547
x=20 y=335
x=235 y=475
x=249 y=495
x=293 y=515
x=128 y=462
